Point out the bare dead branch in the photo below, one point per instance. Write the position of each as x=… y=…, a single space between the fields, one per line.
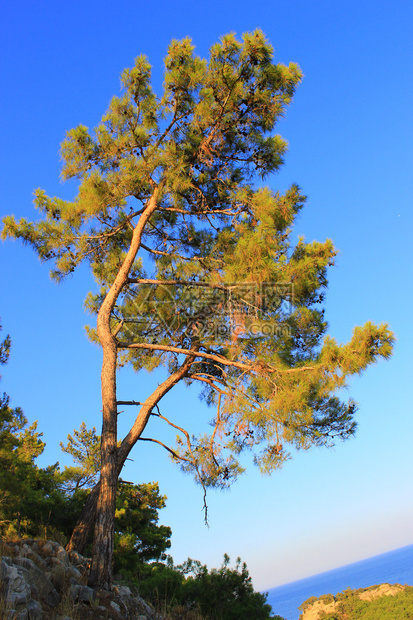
x=174 y=454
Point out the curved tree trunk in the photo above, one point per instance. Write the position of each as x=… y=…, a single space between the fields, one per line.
x=85 y=523
x=101 y=569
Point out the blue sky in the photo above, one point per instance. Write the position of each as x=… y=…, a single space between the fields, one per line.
x=350 y=134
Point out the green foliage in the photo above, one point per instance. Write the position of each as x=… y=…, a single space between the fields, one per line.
x=160 y=584
x=139 y=538
x=28 y=494
x=47 y=502
x=4 y=349
x=84 y=448
x=396 y=606
x=220 y=594
x=33 y=502
x=216 y=253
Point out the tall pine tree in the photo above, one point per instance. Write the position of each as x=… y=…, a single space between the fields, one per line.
x=228 y=300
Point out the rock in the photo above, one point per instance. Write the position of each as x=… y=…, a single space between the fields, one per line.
x=34 y=591
x=40 y=580
x=315 y=608
x=57 y=563
x=61 y=554
x=74 y=591
x=47 y=548
x=17 y=586
x=122 y=591
x=25 y=563
x=32 y=555
x=385 y=589
x=147 y=609
x=7 y=560
x=77 y=559
x=35 y=610
x=115 y=607
x=53 y=599
x=38 y=575
x=74 y=573
x=84 y=594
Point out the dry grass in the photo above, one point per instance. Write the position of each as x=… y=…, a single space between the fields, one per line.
x=4 y=605
x=67 y=606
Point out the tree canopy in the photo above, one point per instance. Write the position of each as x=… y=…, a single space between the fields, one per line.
x=197 y=267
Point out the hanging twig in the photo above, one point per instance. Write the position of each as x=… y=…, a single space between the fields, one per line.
x=192 y=460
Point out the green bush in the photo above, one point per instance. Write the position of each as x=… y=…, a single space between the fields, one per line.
x=218 y=594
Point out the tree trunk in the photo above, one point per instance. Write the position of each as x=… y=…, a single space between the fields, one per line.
x=86 y=521
x=101 y=568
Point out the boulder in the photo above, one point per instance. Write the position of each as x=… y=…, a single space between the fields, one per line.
x=40 y=580
x=16 y=581
x=84 y=594
x=61 y=554
x=47 y=549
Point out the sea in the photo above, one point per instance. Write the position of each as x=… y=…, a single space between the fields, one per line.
x=392 y=567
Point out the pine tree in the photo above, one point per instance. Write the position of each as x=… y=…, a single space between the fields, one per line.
x=84 y=448
x=138 y=537
x=197 y=270
x=27 y=492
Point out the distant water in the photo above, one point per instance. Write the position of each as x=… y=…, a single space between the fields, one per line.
x=392 y=567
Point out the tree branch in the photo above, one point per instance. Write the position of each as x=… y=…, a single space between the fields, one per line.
x=175 y=255
x=168 y=349
x=148 y=406
x=210 y=382
x=118 y=328
x=175 y=282
x=174 y=454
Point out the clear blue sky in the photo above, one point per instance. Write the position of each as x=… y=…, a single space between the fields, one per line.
x=350 y=135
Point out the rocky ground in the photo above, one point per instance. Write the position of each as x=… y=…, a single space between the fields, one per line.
x=40 y=581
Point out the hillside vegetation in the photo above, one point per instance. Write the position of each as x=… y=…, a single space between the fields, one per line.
x=384 y=602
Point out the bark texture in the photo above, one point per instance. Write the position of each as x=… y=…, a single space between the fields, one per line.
x=101 y=568
x=85 y=524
